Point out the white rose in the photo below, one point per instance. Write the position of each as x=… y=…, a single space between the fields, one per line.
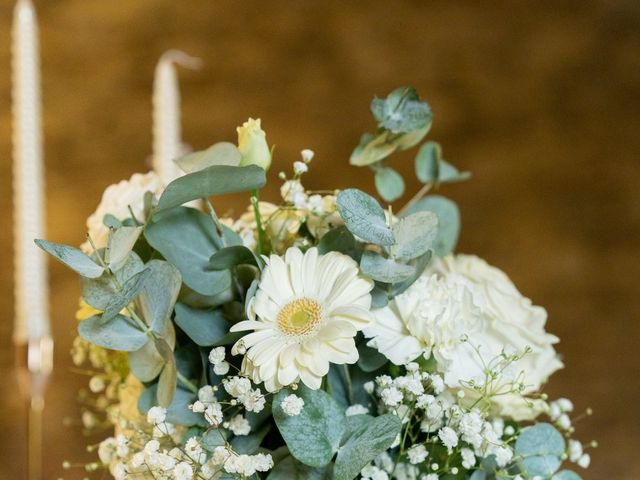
x=116 y=200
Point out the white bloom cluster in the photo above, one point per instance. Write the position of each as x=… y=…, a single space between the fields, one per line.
x=292 y=405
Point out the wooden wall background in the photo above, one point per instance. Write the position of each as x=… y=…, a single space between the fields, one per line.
x=539 y=100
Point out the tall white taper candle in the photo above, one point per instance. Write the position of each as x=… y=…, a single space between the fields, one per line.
x=31 y=283
x=167 y=132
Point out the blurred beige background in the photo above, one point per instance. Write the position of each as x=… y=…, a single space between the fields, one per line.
x=539 y=100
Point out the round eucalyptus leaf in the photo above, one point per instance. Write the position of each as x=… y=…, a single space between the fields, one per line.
x=120 y=333
x=389 y=184
x=319 y=425
x=540 y=447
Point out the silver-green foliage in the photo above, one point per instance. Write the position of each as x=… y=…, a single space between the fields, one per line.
x=539 y=449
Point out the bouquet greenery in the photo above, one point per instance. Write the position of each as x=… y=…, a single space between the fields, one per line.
x=322 y=337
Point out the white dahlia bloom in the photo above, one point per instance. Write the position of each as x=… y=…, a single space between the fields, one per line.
x=305 y=315
x=116 y=200
x=466 y=313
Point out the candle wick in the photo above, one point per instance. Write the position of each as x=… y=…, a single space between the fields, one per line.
x=183 y=59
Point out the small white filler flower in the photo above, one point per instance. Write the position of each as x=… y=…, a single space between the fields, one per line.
x=305 y=315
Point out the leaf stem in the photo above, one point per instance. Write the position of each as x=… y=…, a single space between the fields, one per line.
x=262 y=238
x=421 y=193
x=187 y=383
x=216 y=223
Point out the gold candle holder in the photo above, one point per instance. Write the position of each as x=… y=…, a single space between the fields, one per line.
x=34 y=364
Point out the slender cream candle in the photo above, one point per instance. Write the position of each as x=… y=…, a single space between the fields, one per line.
x=30 y=278
x=167 y=132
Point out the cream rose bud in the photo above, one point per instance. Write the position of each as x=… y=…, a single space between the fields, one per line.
x=252 y=143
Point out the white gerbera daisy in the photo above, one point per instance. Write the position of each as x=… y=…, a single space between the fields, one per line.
x=305 y=315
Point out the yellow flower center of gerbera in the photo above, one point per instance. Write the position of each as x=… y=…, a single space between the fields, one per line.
x=299 y=316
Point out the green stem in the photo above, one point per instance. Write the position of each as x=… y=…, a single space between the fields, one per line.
x=262 y=237
x=187 y=383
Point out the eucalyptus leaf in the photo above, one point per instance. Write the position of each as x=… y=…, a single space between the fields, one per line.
x=168 y=381
x=566 y=475
x=213 y=439
x=370 y=359
x=72 y=258
x=402 y=111
x=428 y=162
x=160 y=293
x=414 y=235
x=229 y=257
x=384 y=269
x=338 y=386
x=121 y=242
x=205 y=327
x=540 y=447
x=373 y=438
x=249 y=444
x=98 y=292
x=419 y=265
x=448 y=221
x=178 y=412
x=110 y=221
x=118 y=334
x=320 y=424
x=450 y=174
x=389 y=184
x=146 y=363
x=125 y=296
x=340 y=239
x=186 y=238
x=213 y=180
x=379 y=297
x=372 y=149
x=364 y=217
x=291 y=469
x=222 y=153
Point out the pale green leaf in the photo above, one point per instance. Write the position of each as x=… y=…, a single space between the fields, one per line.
x=121 y=243
x=414 y=235
x=373 y=438
x=168 y=381
x=428 y=162
x=205 y=327
x=214 y=180
x=566 y=475
x=72 y=258
x=448 y=222
x=98 y=292
x=389 y=184
x=160 y=293
x=320 y=424
x=232 y=256
x=118 y=334
x=187 y=239
x=222 y=153
x=402 y=111
x=364 y=217
x=383 y=269
x=540 y=448
x=146 y=363
x=126 y=295
x=291 y=469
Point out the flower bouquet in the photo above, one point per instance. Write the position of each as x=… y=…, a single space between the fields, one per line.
x=320 y=337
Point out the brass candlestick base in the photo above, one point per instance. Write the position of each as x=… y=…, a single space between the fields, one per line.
x=34 y=364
